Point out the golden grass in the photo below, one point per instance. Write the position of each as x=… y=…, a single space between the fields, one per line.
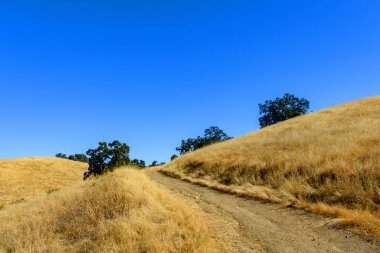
x=23 y=178
x=119 y=212
x=329 y=159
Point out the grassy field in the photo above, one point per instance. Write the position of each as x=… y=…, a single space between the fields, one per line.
x=327 y=162
x=23 y=178
x=119 y=212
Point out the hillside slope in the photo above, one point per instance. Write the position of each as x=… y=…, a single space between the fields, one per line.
x=327 y=161
x=23 y=178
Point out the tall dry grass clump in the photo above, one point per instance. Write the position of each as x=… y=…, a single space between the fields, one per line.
x=119 y=212
x=330 y=158
x=23 y=178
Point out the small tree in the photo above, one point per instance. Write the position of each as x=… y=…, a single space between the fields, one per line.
x=173 y=157
x=60 y=155
x=77 y=157
x=81 y=158
x=214 y=134
x=138 y=163
x=106 y=158
x=280 y=109
x=187 y=145
x=154 y=163
x=119 y=154
x=211 y=135
x=98 y=160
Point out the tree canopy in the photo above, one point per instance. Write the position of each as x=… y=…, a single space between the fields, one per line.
x=154 y=163
x=79 y=157
x=211 y=135
x=60 y=155
x=76 y=157
x=280 y=109
x=138 y=163
x=106 y=157
x=173 y=157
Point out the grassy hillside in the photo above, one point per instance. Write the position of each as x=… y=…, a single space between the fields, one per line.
x=24 y=178
x=119 y=212
x=327 y=161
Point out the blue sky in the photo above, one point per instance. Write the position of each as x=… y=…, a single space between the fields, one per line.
x=150 y=73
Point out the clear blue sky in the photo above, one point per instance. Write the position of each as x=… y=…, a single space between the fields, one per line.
x=150 y=73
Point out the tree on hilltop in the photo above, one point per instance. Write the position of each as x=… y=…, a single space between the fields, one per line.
x=79 y=157
x=119 y=154
x=106 y=157
x=154 y=163
x=211 y=135
x=138 y=163
x=280 y=109
x=60 y=155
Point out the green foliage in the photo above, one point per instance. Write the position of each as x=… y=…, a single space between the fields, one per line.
x=138 y=163
x=80 y=158
x=119 y=154
x=173 y=157
x=154 y=163
x=77 y=157
x=212 y=134
x=280 y=109
x=107 y=157
x=60 y=155
x=98 y=160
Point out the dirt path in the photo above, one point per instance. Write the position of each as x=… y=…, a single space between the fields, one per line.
x=252 y=226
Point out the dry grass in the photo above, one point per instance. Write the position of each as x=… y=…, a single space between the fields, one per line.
x=24 y=178
x=327 y=162
x=119 y=212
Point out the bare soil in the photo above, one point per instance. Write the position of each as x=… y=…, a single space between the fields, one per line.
x=247 y=225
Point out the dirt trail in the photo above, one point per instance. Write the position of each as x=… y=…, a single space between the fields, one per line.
x=252 y=226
